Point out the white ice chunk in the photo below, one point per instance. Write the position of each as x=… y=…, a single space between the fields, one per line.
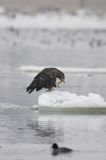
x=67 y=99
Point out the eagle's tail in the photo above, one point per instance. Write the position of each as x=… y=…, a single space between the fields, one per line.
x=31 y=87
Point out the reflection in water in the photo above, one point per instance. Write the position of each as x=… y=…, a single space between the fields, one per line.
x=80 y=130
x=81 y=133
x=46 y=131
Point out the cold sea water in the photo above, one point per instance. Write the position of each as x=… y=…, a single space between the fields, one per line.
x=26 y=134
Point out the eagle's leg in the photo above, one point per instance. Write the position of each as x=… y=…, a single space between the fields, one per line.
x=50 y=89
x=58 y=85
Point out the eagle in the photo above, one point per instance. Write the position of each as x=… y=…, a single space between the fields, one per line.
x=46 y=78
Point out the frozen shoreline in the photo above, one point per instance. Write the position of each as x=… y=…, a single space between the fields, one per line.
x=53 y=20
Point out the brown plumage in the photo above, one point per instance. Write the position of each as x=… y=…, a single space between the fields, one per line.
x=47 y=78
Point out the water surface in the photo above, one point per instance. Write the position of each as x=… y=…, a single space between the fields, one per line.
x=27 y=134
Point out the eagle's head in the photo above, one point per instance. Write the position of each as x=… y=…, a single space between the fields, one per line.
x=60 y=78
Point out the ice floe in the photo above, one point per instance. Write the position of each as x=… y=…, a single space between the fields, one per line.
x=32 y=68
x=11 y=106
x=67 y=99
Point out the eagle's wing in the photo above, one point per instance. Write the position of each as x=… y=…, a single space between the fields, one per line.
x=40 y=82
x=31 y=87
x=51 y=79
x=45 y=81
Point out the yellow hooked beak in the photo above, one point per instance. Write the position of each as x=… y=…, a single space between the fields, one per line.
x=63 y=81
